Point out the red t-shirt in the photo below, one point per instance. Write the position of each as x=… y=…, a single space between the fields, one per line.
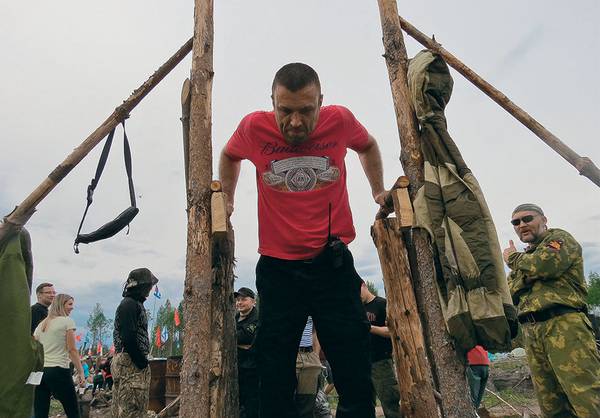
x=478 y=357
x=297 y=183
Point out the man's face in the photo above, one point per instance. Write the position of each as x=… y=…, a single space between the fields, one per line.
x=532 y=226
x=296 y=113
x=46 y=295
x=244 y=304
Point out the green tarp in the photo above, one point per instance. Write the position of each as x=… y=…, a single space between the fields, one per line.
x=450 y=206
x=20 y=354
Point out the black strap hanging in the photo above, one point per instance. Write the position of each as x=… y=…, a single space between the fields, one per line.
x=111 y=228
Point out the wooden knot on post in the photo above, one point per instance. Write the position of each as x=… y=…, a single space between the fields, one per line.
x=586 y=167
x=122 y=113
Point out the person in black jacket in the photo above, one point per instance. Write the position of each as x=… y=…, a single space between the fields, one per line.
x=39 y=311
x=130 y=371
x=246 y=320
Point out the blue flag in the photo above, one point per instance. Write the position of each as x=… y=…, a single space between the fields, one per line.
x=156 y=292
x=164 y=335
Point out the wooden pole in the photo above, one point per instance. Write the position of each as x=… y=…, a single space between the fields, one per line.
x=23 y=212
x=448 y=370
x=208 y=373
x=186 y=98
x=584 y=165
x=414 y=374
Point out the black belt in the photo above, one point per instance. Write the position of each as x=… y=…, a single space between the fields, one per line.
x=547 y=314
x=305 y=349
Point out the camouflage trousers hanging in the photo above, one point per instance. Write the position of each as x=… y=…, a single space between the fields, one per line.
x=565 y=366
x=130 y=388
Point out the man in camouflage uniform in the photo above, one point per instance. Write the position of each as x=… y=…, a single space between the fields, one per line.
x=130 y=371
x=548 y=286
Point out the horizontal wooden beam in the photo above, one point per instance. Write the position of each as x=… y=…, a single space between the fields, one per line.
x=584 y=165
x=16 y=219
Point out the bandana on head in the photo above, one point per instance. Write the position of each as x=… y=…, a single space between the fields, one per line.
x=528 y=206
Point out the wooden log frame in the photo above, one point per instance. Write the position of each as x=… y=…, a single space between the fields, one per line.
x=208 y=373
x=414 y=374
x=447 y=369
x=16 y=219
x=584 y=165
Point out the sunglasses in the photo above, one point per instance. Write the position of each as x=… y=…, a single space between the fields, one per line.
x=525 y=219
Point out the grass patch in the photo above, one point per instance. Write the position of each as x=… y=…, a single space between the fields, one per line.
x=508 y=365
x=55 y=408
x=513 y=396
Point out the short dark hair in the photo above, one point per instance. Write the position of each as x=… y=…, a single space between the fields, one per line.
x=295 y=76
x=41 y=287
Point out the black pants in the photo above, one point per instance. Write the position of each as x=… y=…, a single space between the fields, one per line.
x=248 y=383
x=108 y=383
x=289 y=291
x=97 y=384
x=57 y=382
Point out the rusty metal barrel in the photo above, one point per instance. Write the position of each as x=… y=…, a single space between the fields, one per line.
x=172 y=387
x=157 y=384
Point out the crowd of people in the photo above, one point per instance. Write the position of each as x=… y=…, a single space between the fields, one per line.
x=52 y=326
x=318 y=326
x=126 y=374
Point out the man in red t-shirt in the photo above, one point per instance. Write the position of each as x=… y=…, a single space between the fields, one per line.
x=305 y=223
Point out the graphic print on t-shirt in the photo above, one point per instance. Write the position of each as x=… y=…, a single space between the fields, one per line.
x=300 y=174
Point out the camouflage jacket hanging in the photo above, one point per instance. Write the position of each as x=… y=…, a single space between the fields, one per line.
x=451 y=207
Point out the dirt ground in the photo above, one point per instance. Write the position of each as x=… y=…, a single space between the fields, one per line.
x=509 y=394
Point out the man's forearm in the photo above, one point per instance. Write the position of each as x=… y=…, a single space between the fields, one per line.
x=229 y=172
x=380 y=331
x=370 y=160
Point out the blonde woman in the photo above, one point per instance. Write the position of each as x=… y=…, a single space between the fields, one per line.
x=57 y=335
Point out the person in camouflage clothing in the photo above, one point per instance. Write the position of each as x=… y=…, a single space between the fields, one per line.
x=130 y=370
x=548 y=287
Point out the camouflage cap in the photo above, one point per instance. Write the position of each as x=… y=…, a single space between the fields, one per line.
x=528 y=206
x=140 y=276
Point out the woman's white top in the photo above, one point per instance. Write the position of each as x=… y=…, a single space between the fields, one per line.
x=54 y=340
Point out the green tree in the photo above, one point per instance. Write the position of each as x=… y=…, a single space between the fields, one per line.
x=372 y=288
x=593 y=298
x=98 y=325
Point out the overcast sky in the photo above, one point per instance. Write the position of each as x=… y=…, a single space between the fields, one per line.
x=67 y=64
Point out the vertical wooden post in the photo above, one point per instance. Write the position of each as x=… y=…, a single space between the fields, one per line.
x=448 y=370
x=208 y=373
x=414 y=374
